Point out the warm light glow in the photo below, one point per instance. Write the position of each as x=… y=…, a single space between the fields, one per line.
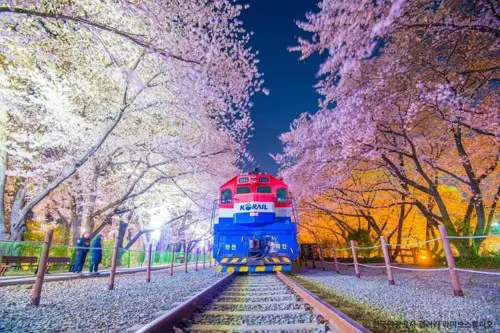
x=424 y=257
x=47 y=226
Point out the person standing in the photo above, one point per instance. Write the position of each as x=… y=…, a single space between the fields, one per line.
x=95 y=254
x=82 y=248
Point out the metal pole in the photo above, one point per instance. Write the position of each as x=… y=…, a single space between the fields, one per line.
x=148 y=269
x=457 y=289
x=172 y=262
x=204 y=258
x=335 y=260
x=387 y=259
x=355 y=258
x=196 y=265
x=114 y=259
x=185 y=258
x=321 y=257
x=37 y=289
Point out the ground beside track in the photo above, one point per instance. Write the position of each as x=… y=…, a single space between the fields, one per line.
x=418 y=298
x=85 y=305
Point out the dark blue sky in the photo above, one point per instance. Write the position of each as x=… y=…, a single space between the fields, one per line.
x=289 y=80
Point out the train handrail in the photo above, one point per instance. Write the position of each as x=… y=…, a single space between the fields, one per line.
x=212 y=218
x=294 y=210
x=288 y=199
x=293 y=206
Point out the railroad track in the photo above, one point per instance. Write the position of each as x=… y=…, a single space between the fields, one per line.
x=254 y=303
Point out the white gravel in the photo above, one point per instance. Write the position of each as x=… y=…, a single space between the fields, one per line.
x=85 y=305
x=421 y=296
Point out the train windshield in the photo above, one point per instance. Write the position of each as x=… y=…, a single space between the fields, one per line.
x=243 y=190
x=281 y=195
x=264 y=189
x=226 y=196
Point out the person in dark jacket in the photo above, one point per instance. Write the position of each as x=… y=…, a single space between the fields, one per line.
x=95 y=254
x=82 y=248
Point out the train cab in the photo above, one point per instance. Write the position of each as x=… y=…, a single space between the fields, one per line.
x=253 y=227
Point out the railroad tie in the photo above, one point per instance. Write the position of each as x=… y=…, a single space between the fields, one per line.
x=258 y=328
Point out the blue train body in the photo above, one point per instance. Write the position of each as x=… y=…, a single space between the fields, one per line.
x=253 y=229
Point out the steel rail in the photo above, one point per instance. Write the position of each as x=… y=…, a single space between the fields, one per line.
x=338 y=321
x=166 y=322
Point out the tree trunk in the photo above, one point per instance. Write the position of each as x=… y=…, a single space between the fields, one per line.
x=432 y=247
x=3 y=180
x=72 y=169
x=89 y=222
x=3 y=170
x=475 y=188
x=191 y=245
x=465 y=248
x=76 y=230
x=122 y=228
x=399 y=236
x=18 y=224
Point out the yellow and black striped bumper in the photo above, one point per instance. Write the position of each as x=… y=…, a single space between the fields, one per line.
x=267 y=261
x=233 y=261
x=267 y=264
x=278 y=261
x=253 y=269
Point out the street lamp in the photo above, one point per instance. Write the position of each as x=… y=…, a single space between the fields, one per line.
x=495 y=228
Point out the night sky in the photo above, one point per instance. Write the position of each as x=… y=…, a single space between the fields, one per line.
x=289 y=80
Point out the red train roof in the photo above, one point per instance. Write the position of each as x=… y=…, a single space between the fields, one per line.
x=254 y=178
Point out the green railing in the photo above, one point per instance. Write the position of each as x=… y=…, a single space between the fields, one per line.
x=126 y=258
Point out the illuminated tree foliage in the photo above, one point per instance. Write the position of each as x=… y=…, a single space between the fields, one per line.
x=109 y=107
x=409 y=117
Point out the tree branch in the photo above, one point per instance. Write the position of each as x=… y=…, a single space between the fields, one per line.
x=82 y=20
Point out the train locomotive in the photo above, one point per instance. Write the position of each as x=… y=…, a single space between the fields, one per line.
x=253 y=228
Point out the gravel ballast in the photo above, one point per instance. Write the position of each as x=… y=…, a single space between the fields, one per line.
x=255 y=303
x=421 y=297
x=85 y=305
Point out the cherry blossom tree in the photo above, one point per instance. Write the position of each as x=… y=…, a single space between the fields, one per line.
x=94 y=93
x=408 y=89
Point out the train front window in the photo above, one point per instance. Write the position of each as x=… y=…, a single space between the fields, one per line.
x=243 y=190
x=226 y=196
x=264 y=189
x=281 y=195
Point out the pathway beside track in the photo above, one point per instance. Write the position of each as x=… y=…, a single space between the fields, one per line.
x=421 y=298
x=13 y=280
x=86 y=305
